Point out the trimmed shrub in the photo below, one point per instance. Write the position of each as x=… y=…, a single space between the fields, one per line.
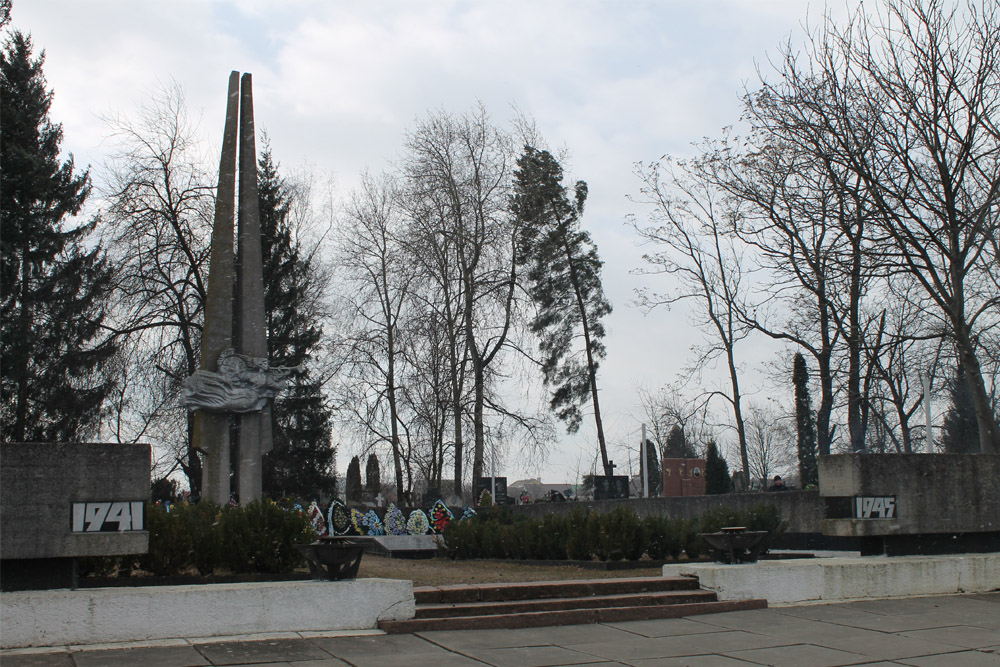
x=170 y=543
x=553 y=535
x=766 y=516
x=578 y=544
x=664 y=537
x=617 y=534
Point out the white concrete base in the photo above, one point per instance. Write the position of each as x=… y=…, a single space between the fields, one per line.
x=105 y=615
x=814 y=579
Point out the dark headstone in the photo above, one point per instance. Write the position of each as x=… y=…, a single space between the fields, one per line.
x=610 y=488
x=486 y=484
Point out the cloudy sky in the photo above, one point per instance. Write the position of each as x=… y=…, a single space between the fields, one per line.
x=336 y=84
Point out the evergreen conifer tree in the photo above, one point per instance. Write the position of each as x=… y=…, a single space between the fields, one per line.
x=653 y=470
x=677 y=446
x=353 y=481
x=717 y=478
x=805 y=424
x=301 y=462
x=564 y=280
x=53 y=283
x=373 y=476
x=960 y=430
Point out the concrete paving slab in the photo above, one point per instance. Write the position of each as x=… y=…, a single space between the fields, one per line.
x=960 y=636
x=686 y=645
x=799 y=655
x=349 y=648
x=37 y=660
x=904 y=622
x=885 y=646
x=567 y=635
x=667 y=627
x=758 y=620
x=459 y=640
x=532 y=656
x=443 y=659
x=271 y=650
x=964 y=658
x=822 y=612
x=329 y=662
x=693 y=661
x=154 y=656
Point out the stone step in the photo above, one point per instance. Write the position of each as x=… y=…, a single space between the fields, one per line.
x=568 y=617
x=550 y=589
x=452 y=610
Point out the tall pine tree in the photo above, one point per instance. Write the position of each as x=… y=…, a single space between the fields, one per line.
x=717 y=478
x=301 y=462
x=653 y=470
x=53 y=282
x=805 y=424
x=564 y=280
x=960 y=430
x=353 y=481
x=373 y=476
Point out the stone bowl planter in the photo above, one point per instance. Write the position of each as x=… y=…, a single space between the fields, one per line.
x=333 y=558
x=734 y=544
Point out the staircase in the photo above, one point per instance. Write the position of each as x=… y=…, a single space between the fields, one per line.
x=545 y=603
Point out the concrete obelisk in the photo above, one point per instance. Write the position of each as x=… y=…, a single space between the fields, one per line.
x=255 y=437
x=211 y=430
x=246 y=332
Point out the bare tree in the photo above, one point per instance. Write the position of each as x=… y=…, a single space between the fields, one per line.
x=692 y=228
x=157 y=227
x=378 y=276
x=770 y=441
x=926 y=73
x=459 y=170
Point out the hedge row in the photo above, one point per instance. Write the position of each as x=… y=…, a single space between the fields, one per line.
x=615 y=535
x=258 y=537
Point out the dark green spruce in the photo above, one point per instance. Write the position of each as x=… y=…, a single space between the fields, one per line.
x=717 y=478
x=960 y=430
x=302 y=461
x=353 y=482
x=805 y=424
x=564 y=281
x=54 y=281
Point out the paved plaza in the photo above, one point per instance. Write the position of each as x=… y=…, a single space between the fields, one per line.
x=951 y=631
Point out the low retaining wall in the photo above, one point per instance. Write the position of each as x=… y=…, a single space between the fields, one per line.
x=106 y=615
x=802 y=509
x=832 y=579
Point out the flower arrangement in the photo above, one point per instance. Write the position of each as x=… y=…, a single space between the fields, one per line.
x=339 y=518
x=374 y=525
x=418 y=523
x=317 y=521
x=467 y=514
x=394 y=520
x=358 y=522
x=440 y=516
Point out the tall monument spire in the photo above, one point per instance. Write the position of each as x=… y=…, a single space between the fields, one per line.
x=254 y=427
x=211 y=430
x=236 y=381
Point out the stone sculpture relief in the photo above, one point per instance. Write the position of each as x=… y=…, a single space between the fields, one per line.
x=242 y=384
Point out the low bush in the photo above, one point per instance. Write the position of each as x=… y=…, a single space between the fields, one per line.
x=608 y=536
x=259 y=537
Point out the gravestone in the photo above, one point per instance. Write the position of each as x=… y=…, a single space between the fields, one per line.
x=610 y=487
x=63 y=501
x=486 y=484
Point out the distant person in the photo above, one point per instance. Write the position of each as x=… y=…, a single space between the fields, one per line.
x=778 y=485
